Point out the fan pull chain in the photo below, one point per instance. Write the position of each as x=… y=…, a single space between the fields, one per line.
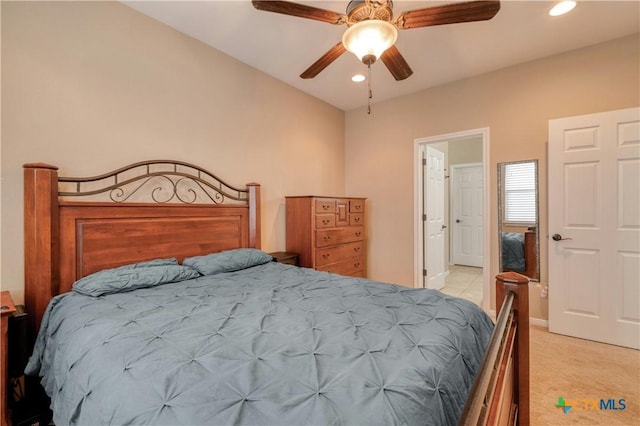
x=369 y=87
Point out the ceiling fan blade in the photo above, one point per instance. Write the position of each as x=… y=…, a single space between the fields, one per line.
x=301 y=11
x=397 y=66
x=447 y=14
x=324 y=61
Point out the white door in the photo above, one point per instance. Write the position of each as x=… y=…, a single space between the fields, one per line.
x=594 y=227
x=467 y=214
x=434 y=226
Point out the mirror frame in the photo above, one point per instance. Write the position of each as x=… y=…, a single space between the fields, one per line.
x=501 y=213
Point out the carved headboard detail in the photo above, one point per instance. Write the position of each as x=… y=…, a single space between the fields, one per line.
x=158 y=181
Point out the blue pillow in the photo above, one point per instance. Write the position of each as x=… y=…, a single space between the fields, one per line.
x=227 y=261
x=132 y=277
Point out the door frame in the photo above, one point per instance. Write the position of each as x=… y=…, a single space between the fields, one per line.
x=418 y=199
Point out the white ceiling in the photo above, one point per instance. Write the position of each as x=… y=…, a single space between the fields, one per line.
x=284 y=46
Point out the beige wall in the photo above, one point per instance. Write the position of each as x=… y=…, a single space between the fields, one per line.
x=465 y=151
x=515 y=103
x=91 y=86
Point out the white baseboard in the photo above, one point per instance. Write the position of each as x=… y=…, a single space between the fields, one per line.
x=539 y=322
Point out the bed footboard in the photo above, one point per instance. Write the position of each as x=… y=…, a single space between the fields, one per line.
x=500 y=393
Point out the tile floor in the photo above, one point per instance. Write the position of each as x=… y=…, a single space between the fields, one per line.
x=465 y=282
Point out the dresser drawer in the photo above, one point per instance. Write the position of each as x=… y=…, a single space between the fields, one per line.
x=325 y=205
x=333 y=254
x=356 y=219
x=353 y=267
x=356 y=206
x=330 y=237
x=325 y=221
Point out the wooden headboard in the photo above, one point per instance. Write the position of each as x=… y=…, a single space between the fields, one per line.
x=153 y=209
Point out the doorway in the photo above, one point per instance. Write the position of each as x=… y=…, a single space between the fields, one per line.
x=423 y=198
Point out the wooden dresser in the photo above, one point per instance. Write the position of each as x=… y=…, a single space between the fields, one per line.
x=328 y=233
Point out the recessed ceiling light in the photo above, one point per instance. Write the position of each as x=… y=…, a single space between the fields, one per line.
x=358 y=78
x=562 y=8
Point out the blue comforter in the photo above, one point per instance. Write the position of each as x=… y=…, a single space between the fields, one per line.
x=513 y=252
x=269 y=345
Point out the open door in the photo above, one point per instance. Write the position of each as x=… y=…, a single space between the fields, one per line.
x=434 y=220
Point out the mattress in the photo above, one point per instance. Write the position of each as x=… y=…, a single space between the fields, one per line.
x=271 y=344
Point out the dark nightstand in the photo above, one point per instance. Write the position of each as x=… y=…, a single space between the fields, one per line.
x=285 y=257
x=8 y=308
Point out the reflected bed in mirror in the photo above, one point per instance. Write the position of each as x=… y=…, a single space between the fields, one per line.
x=519 y=242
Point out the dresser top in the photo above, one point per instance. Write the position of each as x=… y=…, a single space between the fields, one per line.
x=324 y=196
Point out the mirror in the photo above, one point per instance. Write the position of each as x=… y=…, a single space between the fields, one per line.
x=518 y=238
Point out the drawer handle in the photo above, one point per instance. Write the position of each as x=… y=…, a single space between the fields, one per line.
x=356 y=249
x=356 y=219
x=358 y=233
x=326 y=255
x=325 y=221
x=357 y=264
x=358 y=206
x=325 y=207
x=327 y=237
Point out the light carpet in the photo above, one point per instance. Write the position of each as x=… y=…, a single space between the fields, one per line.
x=583 y=373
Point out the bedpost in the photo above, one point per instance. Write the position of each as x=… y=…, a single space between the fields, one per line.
x=41 y=279
x=254 y=215
x=519 y=285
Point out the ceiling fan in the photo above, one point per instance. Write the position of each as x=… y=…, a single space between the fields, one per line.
x=372 y=28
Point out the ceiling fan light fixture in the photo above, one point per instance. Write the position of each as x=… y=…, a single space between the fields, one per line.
x=368 y=39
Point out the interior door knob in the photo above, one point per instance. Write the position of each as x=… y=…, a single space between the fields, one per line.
x=558 y=237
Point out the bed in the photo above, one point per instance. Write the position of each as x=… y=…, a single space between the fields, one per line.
x=235 y=338
x=519 y=252
x=513 y=258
